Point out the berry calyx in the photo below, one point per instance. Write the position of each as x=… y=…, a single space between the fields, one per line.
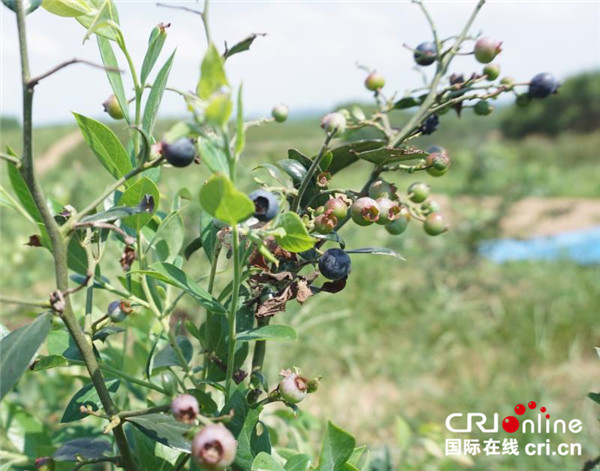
x=364 y=211
x=398 y=226
x=111 y=106
x=543 y=85
x=388 y=211
x=293 y=388
x=185 y=408
x=435 y=224
x=382 y=189
x=486 y=49
x=214 y=447
x=337 y=207
x=180 y=153
x=483 y=108
x=334 y=122
x=437 y=162
x=334 y=264
x=491 y=71
x=425 y=54
x=280 y=113
x=418 y=192
x=266 y=205
x=325 y=223
x=374 y=81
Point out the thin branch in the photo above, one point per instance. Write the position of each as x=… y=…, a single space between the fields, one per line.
x=105 y=225
x=24 y=302
x=32 y=82
x=591 y=464
x=179 y=7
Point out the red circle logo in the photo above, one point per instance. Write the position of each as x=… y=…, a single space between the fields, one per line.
x=510 y=424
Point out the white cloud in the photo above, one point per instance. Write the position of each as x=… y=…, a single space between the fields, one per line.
x=308 y=58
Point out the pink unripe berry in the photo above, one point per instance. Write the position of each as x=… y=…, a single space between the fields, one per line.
x=325 y=223
x=435 y=224
x=214 y=447
x=388 y=211
x=293 y=388
x=337 y=207
x=365 y=211
x=334 y=122
x=486 y=49
x=185 y=408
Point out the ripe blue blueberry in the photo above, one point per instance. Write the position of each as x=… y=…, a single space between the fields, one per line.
x=180 y=153
x=266 y=205
x=430 y=124
x=334 y=264
x=425 y=53
x=543 y=85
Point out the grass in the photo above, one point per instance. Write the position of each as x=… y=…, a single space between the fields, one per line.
x=406 y=343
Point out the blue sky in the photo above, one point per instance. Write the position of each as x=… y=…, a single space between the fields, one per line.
x=308 y=59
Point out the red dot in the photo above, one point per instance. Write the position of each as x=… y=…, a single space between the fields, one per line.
x=547 y=416
x=510 y=424
x=542 y=409
x=532 y=405
x=519 y=409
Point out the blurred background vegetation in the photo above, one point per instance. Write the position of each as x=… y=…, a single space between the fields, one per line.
x=406 y=343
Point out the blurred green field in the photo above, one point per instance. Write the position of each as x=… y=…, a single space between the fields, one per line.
x=406 y=343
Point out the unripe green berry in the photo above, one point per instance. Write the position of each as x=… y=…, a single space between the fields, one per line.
x=337 y=207
x=293 y=388
x=365 y=211
x=398 y=226
x=523 y=100
x=388 y=210
x=508 y=82
x=438 y=163
x=334 y=122
x=382 y=189
x=374 y=81
x=434 y=224
x=492 y=71
x=429 y=207
x=418 y=192
x=280 y=113
x=483 y=108
x=111 y=106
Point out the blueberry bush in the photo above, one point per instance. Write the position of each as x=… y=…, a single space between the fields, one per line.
x=200 y=395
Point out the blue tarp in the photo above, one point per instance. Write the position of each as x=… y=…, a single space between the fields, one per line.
x=582 y=246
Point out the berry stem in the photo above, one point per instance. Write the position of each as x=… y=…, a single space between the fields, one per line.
x=233 y=311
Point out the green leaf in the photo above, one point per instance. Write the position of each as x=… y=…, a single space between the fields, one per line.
x=114 y=77
x=377 y=251
x=26 y=433
x=136 y=194
x=296 y=238
x=299 y=462
x=155 y=45
x=241 y=46
x=594 y=397
x=212 y=73
x=359 y=459
x=168 y=357
x=250 y=444
x=155 y=96
x=18 y=348
x=219 y=110
x=164 y=429
x=212 y=155
x=240 y=134
x=208 y=233
x=275 y=172
x=239 y=405
x=347 y=154
x=222 y=200
x=86 y=396
x=117 y=212
x=206 y=403
x=406 y=102
x=105 y=145
x=152 y=455
x=337 y=448
x=48 y=362
x=268 y=332
x=265 y=462
x=28 y=6
x=192 y=247
x=403 y=433
x=77 y=260
x=88 y=448
x=102 y=20
x=294 y=169
x=174 y=276
x=67 y=8
x=386 y=155
x=105 y=332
